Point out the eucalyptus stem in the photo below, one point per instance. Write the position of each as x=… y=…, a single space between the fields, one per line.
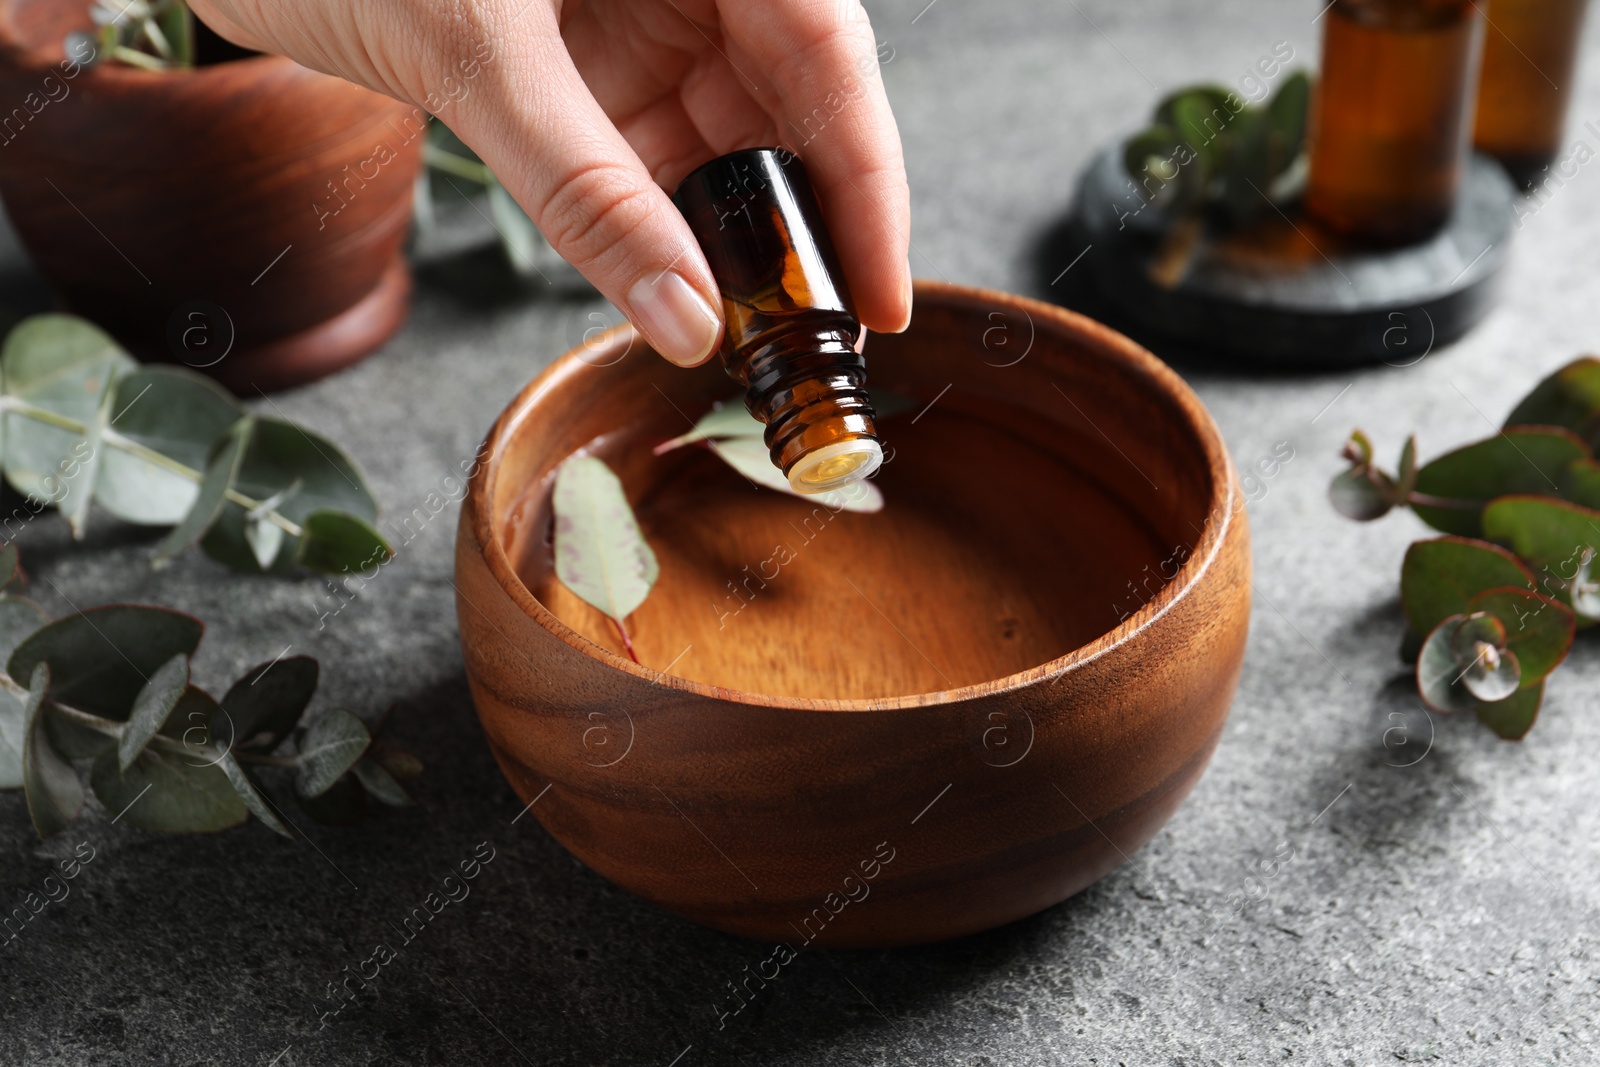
x=1177 y=250
x=1428 y=500
x=134 y=448
x=112 y=728
x=134 y=57
x=460 y=166
x=157 y=39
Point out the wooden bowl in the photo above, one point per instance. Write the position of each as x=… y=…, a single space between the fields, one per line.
x=245 y=218
x=871 y=729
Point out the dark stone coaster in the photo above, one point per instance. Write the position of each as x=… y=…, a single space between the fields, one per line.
x=1286 y=295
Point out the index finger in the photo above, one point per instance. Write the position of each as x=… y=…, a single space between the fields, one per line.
x=821 y=58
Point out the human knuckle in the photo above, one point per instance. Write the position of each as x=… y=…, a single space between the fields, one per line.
x=593 y=209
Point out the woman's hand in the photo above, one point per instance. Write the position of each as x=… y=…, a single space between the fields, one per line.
x=587 y=109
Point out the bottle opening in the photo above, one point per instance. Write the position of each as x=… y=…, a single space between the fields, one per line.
x=835 y=465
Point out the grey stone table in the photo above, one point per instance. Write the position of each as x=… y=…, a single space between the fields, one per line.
x=1443 y=910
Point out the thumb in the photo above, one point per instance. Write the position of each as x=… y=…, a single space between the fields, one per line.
x=553 y=147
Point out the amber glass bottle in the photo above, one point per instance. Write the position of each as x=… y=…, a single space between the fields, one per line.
x=792 y=329
x=1528 y=58
x=1389 y=117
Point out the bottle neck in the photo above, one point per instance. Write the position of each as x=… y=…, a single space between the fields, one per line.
x=807 y=383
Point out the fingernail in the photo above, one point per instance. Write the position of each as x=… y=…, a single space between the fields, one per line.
x=674 y=317
x=907 y=290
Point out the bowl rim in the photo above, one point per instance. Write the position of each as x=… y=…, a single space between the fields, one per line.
x=478 y=510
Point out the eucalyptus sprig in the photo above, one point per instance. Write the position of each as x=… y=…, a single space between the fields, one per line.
x=1210 y=159
x=1493 y=608
x=162 y=446
x=111 y=687
x=152 y=34
x=445 y=154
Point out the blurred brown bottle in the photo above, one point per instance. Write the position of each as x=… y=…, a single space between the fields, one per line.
x=1389 y=117
x=791 y=327
x=1529 y=54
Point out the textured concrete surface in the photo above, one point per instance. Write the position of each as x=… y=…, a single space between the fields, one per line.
x=1423 y=899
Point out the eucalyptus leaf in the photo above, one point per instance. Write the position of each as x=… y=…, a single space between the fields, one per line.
x=64 y=365
x=280 y=454
x=55 y=796
x=99 y=659
x=1440 y=577
x=1287 y=115
x=1492 y=674
x=250 y=794
x=164 y=791
x=1570 y=397
x=343 y=803
x=751 y=458
x=13 y=732
x=1477 y=628
x=518 y=235
x=1247 y=164
x=728 y=419
x=79 y=486
x=1584 y=592
x=1519 y=460
x=265 y=540
x=155 y=702
x=264 y=705
x=177 y=26
x=1439 y=670
x=1551 y=535
x=397 y=761
x=380 y=784
x=19 y=617
x=10 y=565
x=192 y=723
x=1358 y=449
x=1153 y=153
x=1199 y=115
x=600 y=553
x=74 y=741
x=1406 y=482
x=1202 y=98
x=424 y=215
x=335 y=542
x=329 y=747
x=1538 y=630
x=172 y=411
x=1580 y=483
x=1362 y=495
x=1513 y=717
x=221 y=472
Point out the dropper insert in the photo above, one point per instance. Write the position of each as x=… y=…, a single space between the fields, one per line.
x=836 y=465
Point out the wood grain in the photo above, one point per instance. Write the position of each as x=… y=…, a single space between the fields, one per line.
x=253 y=185
x=944 y=680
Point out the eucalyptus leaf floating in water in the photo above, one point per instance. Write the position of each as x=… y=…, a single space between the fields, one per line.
x=730 y=419
x=162 y=446
x=600 y=552
x=750 y=457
